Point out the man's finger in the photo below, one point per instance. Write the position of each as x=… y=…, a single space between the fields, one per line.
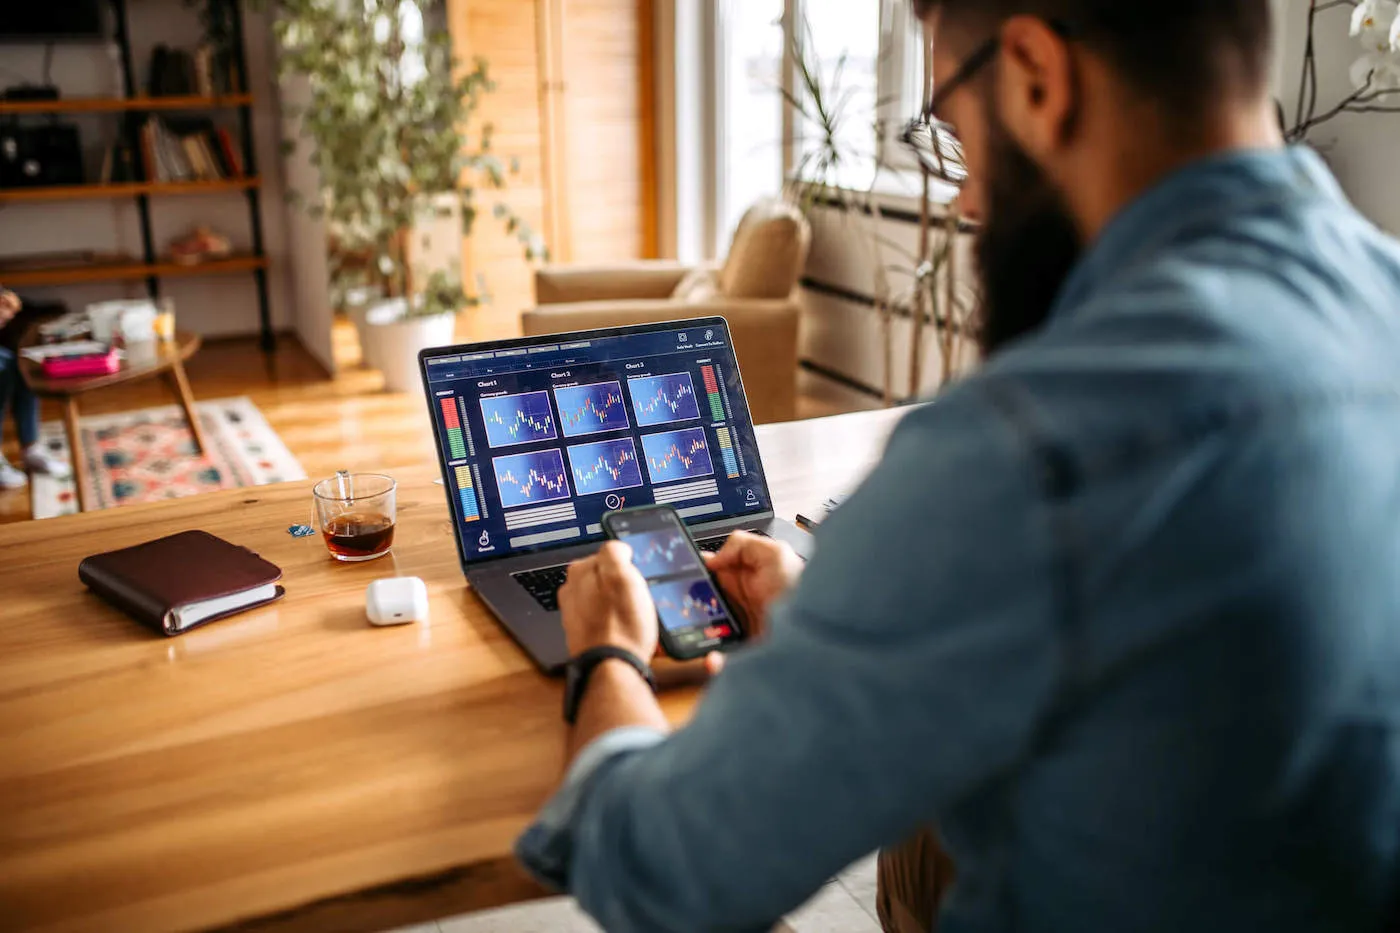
x=735 y=551
x=615 y=552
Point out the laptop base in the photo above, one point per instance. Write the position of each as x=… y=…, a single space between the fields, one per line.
x=538 y=631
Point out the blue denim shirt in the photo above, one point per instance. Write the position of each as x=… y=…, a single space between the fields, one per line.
x=1120 y=614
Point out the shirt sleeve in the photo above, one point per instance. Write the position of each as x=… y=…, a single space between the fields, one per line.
x=912 y=665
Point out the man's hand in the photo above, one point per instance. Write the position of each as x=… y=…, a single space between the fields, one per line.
x=9 y=306
x=605 y=601
x=754 y=572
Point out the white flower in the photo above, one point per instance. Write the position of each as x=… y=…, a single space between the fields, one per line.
x=1373 y=22
x=1395 y=35
x=1382 y=70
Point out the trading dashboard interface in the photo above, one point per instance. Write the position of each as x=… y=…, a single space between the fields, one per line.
x=538 y=440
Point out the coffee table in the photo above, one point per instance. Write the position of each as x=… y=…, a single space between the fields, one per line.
x=166 y=360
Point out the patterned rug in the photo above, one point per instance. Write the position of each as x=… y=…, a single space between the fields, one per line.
x=148 y=455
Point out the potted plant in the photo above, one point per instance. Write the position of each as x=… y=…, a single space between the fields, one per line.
x=824 y=116
x=388 y=113
x=1375 y=75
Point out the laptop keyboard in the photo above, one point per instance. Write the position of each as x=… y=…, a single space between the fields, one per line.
x=544 y=584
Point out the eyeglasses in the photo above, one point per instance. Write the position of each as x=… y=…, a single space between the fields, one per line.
x=933 y=141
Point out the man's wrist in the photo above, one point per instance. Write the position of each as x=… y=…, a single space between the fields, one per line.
x=618 y=669
x=597 y=663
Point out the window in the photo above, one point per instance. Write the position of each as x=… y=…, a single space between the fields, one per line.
x=737 y=138
x=838 y=44
x=868 y=56
x=750 y=108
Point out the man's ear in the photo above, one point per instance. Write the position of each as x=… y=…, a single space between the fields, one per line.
x=1035 y=85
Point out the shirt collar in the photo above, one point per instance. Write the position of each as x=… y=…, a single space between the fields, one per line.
x=1214 y=187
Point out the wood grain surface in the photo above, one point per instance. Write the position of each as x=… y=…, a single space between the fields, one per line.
x=292 y=768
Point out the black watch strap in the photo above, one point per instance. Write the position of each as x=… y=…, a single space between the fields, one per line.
x=580 y=670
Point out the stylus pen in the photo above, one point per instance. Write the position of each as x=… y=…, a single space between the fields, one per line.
x=806 y=524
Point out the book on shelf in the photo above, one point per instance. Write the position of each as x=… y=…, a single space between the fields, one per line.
x=204 y=58
x=123 y=164
x=233 y=159
x=190 y=144
x=207 y=72
x=188 y=150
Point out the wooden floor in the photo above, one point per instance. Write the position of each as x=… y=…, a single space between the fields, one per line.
x=348 y=422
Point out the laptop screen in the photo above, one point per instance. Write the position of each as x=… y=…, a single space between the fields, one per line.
x=539 y=437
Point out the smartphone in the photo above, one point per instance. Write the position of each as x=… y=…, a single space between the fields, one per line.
x=695 y=619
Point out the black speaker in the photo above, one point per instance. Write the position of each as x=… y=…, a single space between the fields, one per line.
x=40 y=155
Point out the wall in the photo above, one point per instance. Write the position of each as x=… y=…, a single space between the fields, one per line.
x=1361 y=148
x=601 y=161
x=213 y=306
x=606 y=167
x=505 y=33
x=307 y=264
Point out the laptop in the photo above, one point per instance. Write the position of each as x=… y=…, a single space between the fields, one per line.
x=539 y=437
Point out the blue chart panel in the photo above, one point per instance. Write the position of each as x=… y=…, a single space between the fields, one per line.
x=591 y=409
x=663 y=399
x=677 y=455
x=605 y=466
x=529 y=479
x=686 y=603
x=518 y=419
x=662 y=553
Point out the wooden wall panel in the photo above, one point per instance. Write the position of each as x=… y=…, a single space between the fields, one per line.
x=605 y=164
x=503 y=32
x=600 y=141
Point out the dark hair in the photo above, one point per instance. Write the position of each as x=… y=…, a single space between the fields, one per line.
x=1183 y=53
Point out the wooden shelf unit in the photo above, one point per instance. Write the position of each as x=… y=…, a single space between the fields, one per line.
x=133 y=110
x=122 y=104
x=126 y=190
x=128 y=270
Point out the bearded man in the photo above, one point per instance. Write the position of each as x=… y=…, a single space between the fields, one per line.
x=1111 y=638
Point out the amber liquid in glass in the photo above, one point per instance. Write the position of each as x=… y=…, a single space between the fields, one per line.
x=358 y=536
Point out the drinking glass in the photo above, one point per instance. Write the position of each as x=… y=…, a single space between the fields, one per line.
x=356 y=513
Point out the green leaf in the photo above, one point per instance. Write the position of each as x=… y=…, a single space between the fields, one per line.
x=386 y=124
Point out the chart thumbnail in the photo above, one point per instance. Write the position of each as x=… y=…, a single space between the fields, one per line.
x=662 y=553
x=518 y=419
x=686 y=604
x=591 y=409
x=677 y=455
x=605 y=466
x=529 y=479
x=663 y=399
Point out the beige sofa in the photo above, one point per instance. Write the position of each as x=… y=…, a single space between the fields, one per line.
x=754 y=291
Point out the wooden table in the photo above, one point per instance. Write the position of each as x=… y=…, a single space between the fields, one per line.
x=292 y=768
x=165 y=359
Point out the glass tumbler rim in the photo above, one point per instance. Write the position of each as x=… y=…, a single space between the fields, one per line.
x=392 y=485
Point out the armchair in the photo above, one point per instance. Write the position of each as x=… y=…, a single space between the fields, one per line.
x=754 y=291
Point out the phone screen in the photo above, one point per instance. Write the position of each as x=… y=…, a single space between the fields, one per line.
x=694 y=617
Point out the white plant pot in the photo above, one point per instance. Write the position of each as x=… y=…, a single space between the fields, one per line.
x=394 y=341
x=357 y=310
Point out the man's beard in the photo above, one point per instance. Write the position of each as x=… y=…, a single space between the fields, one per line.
x=1026 y=248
